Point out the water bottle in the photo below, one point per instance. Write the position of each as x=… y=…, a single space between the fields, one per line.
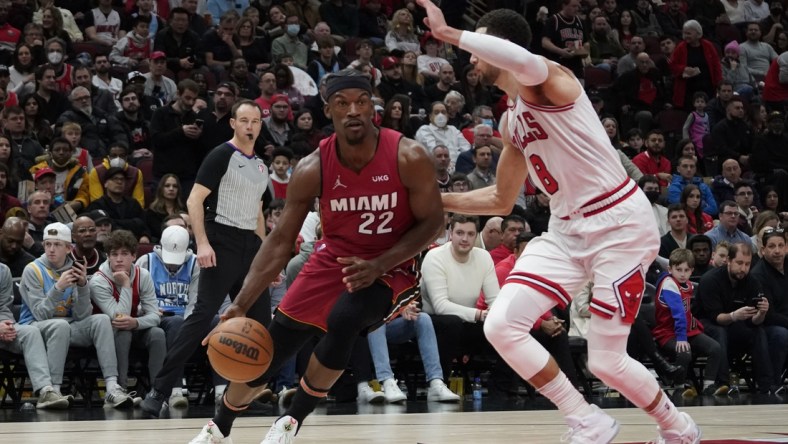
x=477 y=389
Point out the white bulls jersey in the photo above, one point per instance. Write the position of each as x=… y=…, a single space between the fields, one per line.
x=568 y=153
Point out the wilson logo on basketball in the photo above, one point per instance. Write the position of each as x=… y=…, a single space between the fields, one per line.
x=252 y=353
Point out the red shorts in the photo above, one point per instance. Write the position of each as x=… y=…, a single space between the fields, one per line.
x=319 y=284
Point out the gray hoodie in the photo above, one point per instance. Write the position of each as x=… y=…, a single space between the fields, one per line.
x=6 y=293
x=102 y=295
x=43 y=305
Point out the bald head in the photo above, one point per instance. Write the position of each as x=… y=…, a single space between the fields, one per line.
x=12 y=236
x=643 y=62
x=491 y=233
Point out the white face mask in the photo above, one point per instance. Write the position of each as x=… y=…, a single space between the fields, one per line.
x=441 y=120
x=55 y=57
x=117 y=162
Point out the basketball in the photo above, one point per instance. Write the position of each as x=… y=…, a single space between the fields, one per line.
x=240 y=350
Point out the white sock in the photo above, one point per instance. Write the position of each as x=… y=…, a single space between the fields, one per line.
x=667 y=415
x=568 y=400
x=111 y=383
x=177 y=391
x=219 y=390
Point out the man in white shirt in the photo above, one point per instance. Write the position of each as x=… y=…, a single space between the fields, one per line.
x=453 y=276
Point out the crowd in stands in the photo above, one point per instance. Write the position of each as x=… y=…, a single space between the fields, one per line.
x=109 y=109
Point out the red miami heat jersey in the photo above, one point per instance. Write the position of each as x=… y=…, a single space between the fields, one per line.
x=568 y=153
x=363 y=214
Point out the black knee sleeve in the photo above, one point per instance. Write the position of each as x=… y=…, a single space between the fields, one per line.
x=287 y=342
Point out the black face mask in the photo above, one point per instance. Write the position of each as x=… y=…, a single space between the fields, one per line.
x=652 y=196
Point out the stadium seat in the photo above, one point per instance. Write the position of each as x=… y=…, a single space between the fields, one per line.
x=597 y=78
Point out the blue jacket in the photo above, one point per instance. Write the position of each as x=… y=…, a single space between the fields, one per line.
x=708 y=204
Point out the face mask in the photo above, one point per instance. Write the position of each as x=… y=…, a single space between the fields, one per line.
x=652 y=196
x=117 y=162
x=55 y=57
x=293 y=29
x=488 y=122
x=441 y=120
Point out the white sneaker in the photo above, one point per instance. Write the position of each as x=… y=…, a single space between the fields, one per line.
x=210 y=434
x=282 y=432
x=690 y=435
x=438 y=392
x=49 y=398
x=595 y=428
x=392 y=392
x=366 y=394
x=178 y=401
x=119 y=399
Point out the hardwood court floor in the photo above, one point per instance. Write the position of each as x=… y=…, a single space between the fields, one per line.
x=720 y=424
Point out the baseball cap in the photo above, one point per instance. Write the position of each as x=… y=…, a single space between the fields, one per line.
x=57 y=231
x=280 y=98
x=155 y=55
x=44 y=172
x=4 y=69
x=135 y=75
x=98 y=216
x=389 y=62
x=114 y=171
x=174 y=243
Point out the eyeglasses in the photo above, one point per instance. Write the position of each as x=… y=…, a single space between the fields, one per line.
x=769 y=232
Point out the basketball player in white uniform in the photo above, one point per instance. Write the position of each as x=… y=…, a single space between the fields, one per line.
x=601 y=229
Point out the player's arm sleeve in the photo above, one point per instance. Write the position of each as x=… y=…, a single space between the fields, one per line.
x=213 y=167
x=670 y=296
x=528 y=68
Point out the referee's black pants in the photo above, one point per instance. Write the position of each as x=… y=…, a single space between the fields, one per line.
x=234 y=249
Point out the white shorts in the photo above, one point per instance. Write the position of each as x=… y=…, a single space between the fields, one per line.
x=610 y=242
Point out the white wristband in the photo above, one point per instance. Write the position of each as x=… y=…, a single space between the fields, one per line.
x=733 y=316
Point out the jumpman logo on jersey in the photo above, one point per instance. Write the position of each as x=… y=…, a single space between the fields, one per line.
x=339 y=183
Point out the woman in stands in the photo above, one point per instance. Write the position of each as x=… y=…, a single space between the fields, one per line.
x=396 y=115
x=472 y=89
x=167 y=202
x=410 y=68
x=305 y=125
x=36 y=124
x=699 y=222
x=401 y=35
x=23 y=71
x=253 y=49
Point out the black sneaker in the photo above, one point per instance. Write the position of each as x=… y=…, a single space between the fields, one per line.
x=153 y=402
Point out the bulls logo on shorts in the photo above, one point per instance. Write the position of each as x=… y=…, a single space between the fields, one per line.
x=629 y=293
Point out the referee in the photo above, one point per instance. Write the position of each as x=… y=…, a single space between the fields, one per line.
x=226 y=208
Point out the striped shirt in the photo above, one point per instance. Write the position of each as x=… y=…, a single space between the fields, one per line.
x=237 y=183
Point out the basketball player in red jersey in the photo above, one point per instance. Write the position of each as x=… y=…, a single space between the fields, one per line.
x=600 y=229
x=379 y=206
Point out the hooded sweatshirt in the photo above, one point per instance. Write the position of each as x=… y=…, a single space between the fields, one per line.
x=128 y=46
x=111 y=298
x=41 y=300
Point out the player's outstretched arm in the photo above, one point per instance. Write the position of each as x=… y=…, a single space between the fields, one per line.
x=496 y=199
x=274 y=253
x=417 y=172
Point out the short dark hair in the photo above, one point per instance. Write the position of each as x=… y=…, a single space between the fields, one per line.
x=463 y=219
x=282 y=151
x=243 y=102
x=744 y=248
x=525 y=236
x=647 y=178
x=512 y=218
x=118 y=144
x=655 y=131
x=119 y=240
x=739 y=185
x=178 y=10
x=141 y=19
x=699 y=239
x=672 y=208
x=59 y=140
x=700 y=95
x=728 y=203
x=508 y=25
x=188 y=84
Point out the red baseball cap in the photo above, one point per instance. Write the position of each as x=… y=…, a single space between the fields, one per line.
x=44 y=172
x=156 y=55
x=389 y=62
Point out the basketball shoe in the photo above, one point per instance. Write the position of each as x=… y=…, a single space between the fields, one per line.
x=282 y=432
x=392 y=391
x=210 y=434
x=690 y=435
x=595 y=428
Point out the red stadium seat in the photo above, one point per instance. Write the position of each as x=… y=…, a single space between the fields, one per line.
x=597 y=78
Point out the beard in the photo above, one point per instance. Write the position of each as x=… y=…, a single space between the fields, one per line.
x=87 y=110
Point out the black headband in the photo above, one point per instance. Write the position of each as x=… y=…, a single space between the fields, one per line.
x=337 y=83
